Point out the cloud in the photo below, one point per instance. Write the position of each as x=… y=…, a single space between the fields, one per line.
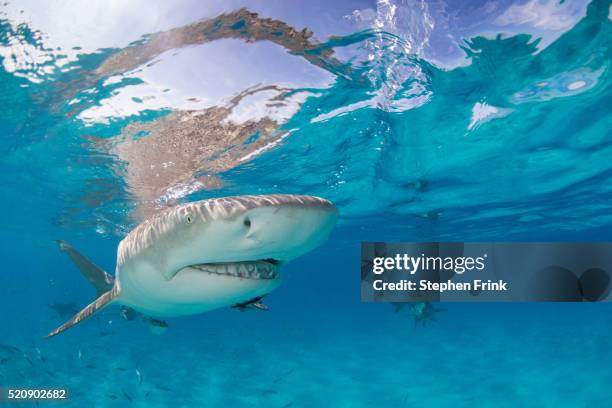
x=542 y=14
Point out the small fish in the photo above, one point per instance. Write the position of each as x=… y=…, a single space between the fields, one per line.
x=157 y=327
x=29 y=361
x=4 y=360
x=139 y=376
x=288 y=405
x=163 y=388
x=104 y=334
x=9 y=348
x=41 y=357
x=157 y=322
x=112 y=396
x=269 y=392
x=119 y=369
x=80 y=355
x=127 y=396
x=90 y=366
x=424 y=312
x=50 y=373
x=432 y=215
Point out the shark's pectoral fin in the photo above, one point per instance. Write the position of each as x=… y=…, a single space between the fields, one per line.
x=100 y=279
x=92 y=308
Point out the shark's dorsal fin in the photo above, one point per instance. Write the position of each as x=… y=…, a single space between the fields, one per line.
x=92 y=308
x=102 y=281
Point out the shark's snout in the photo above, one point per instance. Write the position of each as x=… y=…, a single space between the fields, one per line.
x=287 y=231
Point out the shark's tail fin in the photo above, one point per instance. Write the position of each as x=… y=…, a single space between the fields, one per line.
x=92 y=308
x=102 y=281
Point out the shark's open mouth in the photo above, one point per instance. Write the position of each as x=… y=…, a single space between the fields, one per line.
x=262 y=269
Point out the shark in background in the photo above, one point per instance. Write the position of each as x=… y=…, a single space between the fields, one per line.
x=208 y=254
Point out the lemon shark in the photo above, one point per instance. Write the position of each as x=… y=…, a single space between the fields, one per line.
x=213 y=253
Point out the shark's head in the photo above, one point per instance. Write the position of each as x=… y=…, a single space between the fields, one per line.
x=274 y=228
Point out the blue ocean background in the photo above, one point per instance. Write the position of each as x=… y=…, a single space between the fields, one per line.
x=421 y=121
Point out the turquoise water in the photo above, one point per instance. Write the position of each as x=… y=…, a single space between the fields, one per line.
x=505 y=138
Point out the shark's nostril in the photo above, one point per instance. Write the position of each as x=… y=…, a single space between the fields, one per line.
x=247 y=222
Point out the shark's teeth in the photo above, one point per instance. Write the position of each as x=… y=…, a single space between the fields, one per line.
x=245 y=270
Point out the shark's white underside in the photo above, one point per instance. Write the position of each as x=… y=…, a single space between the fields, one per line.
x=191 y=291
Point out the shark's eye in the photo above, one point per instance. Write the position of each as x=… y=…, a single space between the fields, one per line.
x=247 y=222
